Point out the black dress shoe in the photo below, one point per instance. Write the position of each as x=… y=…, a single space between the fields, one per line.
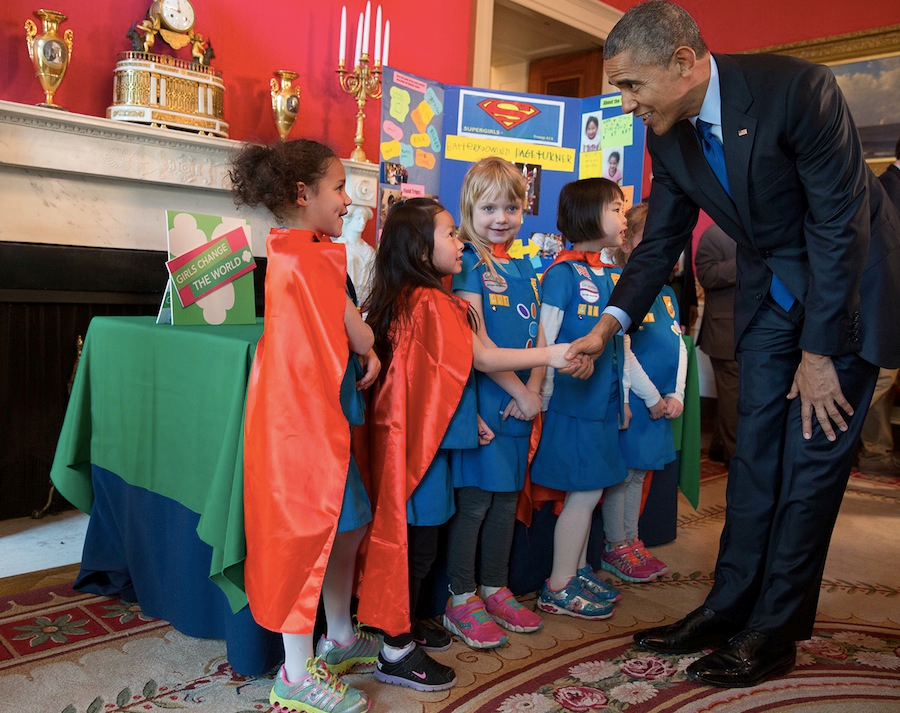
x=700 y=629
x=749 y=658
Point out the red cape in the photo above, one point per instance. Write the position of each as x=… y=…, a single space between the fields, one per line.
x=296 y=437
x=411 y=406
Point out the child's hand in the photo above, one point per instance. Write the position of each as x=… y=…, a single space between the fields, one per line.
x=658 y=410
x=674 y=407
x=485 y=434
x=371 y=365
x=626 y=417
x=524 y=408
x=557 y=357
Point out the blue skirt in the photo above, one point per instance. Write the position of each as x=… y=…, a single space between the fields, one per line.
x=498 y=467
x=577 y=454
x=356 y=510
x=431 y=503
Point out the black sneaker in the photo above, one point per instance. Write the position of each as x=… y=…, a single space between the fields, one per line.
x=416 y=670
x=431 y=638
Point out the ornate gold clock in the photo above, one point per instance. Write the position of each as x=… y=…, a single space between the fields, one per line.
x=166 y=91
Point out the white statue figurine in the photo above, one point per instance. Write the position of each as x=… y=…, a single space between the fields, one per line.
x=360 y=255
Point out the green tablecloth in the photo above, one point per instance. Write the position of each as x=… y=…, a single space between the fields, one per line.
x=686 y=430
x=162 y=407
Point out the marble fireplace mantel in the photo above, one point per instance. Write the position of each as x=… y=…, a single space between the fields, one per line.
x=76 y=180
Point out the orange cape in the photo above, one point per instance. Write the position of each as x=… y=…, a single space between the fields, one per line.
x=296 y=437
x=411 y=407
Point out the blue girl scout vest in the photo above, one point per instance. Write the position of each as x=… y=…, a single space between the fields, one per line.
x=656 y=343
x=588 y=296
x=511 y=306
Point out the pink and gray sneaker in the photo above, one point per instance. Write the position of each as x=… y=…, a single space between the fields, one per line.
x=649 y=558
x=471 y=623
x=626 y=564
x=506 y=610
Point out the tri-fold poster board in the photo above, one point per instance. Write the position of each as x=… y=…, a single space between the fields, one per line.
x=431 y=133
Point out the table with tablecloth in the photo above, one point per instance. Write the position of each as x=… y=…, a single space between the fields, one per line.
x=152 y=449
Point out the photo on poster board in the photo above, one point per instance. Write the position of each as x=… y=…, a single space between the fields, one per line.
x=216 y=270
x=394 y=173
x=590 y=133
x=613 y=168
x=549 y=244
x=389 y=196
x=532 y=175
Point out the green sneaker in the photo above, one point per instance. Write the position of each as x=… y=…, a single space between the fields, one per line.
x=361 y=653
x=319 y=691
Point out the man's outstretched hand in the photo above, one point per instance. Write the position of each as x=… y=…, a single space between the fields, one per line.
x=584 y=350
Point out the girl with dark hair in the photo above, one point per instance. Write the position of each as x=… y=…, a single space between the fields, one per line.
x=305 y=506
x=423 y=405
x=579 y=448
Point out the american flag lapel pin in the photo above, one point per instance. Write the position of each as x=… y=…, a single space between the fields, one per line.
x=742 y=132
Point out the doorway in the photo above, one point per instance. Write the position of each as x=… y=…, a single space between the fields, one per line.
x=510 y=35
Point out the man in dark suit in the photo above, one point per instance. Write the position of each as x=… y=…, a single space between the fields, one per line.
x=777 y=163
x=717 y=274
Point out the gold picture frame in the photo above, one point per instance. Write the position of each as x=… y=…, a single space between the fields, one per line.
x=861 y=46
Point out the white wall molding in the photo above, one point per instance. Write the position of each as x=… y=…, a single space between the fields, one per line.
x=71 y=179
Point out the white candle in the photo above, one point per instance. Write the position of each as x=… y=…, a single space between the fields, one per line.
x=343 y=51
x=378 y=35
x=365 y=44
x=387 y=41
x=359 y=28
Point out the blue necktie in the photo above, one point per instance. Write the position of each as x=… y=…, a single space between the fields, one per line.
x=715 y=157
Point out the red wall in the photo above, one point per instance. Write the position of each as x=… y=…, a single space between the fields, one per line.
x=250 y=41
x=430 y=38
x=732 y=26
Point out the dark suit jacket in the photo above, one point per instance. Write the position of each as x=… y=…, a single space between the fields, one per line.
x=806 y=207
x=717 y=273
x=890 y=179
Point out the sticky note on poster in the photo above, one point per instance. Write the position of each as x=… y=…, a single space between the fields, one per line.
x=422 y=116
x=390 y=149
x=611 y=101
x=400 y=99
x=629 y=196
x=472 y=150
x=590 y=164
x=617 y=131
x=412 y=190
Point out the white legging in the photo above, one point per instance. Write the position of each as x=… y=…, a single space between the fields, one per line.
x=337 y=589
x=570 y=538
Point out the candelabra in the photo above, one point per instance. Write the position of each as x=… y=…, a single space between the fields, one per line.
x=361 y=82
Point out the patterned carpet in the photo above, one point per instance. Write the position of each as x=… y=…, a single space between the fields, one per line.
x=65 y=652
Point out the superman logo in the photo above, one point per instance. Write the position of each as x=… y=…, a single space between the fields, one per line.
x=508 y=113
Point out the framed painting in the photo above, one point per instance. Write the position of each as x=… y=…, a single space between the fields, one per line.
x=867 y=67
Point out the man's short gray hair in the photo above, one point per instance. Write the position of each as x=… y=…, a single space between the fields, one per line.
x=652 y=31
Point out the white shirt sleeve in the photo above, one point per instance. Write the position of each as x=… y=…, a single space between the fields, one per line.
x=682 y=373
x=637 y=378
x=551 y=323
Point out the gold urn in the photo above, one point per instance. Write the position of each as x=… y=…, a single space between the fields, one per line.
x=50 y=53
x=285 y=101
